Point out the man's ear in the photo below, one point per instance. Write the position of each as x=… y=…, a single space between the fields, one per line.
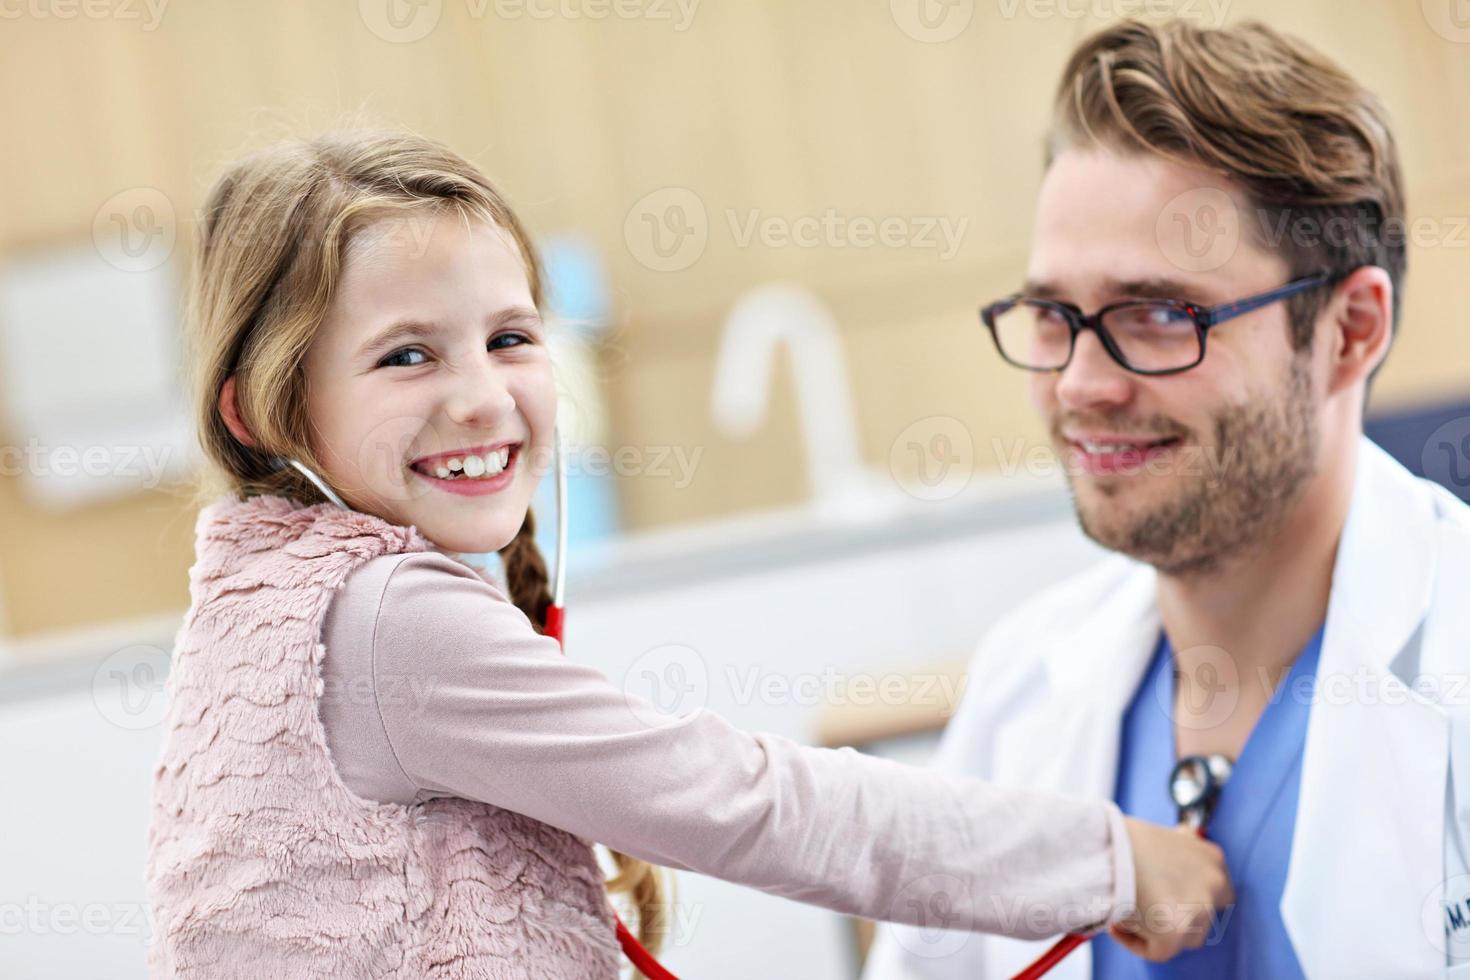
x=1361 y=326
x=230 y=412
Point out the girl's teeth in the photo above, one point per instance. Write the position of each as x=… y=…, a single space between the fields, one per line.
x=474 y=467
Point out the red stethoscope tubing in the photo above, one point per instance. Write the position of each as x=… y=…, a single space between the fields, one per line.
x=555 y=627
x=556 y=617
x=634 y=949
x=1059 y=951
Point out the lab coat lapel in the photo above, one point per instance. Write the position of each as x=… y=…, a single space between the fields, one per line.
x=1362 y=896
x=1069 y=743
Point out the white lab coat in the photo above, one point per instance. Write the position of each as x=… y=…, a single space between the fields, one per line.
x=1050 y=684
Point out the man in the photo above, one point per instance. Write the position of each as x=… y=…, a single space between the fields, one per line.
x=1285 y=595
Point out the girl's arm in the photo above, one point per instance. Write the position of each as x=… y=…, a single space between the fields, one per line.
x=468 y=700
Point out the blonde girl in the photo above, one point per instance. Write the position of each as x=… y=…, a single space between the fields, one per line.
x=364 y=308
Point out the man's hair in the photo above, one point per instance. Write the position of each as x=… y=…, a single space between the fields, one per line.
x=1310 y=146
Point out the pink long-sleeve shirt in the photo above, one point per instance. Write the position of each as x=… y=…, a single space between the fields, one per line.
x=435 y=684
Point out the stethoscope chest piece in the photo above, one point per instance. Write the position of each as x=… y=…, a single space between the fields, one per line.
x=1195 y=786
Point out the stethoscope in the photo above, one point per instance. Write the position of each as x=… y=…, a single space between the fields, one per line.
x=1194 y=786
x=556 y=613
x=555 y=626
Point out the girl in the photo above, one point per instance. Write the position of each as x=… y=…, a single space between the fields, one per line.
x=374 y=764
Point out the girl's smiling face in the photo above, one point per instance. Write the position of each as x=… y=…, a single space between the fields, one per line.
x=433 y=360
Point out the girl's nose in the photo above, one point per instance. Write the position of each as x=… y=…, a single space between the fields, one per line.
x=481 y=397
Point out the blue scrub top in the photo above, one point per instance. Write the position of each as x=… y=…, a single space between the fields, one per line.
x=1252 y=823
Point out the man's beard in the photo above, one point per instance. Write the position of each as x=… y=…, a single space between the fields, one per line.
x=1263 y=455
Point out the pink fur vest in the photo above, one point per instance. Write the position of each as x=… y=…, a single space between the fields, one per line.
x=262 y=864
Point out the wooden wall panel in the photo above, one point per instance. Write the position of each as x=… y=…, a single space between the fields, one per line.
x=765 y=107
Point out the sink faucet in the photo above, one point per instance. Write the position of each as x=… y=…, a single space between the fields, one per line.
x=779 y=314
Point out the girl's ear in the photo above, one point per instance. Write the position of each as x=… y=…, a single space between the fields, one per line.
x=231 y=414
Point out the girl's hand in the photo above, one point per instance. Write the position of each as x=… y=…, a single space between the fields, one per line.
x=1182 y=881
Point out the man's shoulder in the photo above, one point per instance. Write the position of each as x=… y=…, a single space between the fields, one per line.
x=1452 y=515
x=1014 y=645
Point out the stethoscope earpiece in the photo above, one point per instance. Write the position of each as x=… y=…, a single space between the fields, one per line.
x=316 y=481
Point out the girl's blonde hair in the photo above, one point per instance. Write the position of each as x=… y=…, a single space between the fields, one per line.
x=271 y=245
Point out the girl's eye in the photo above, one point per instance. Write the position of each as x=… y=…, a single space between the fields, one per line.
x=503 y=340
x=392 y=359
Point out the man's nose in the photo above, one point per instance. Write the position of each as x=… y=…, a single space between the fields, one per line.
x=1092 y=377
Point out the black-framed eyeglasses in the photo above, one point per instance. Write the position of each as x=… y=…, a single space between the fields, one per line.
x=1145 y=336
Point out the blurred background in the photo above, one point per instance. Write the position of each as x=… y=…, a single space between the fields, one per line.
x=768 y=227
